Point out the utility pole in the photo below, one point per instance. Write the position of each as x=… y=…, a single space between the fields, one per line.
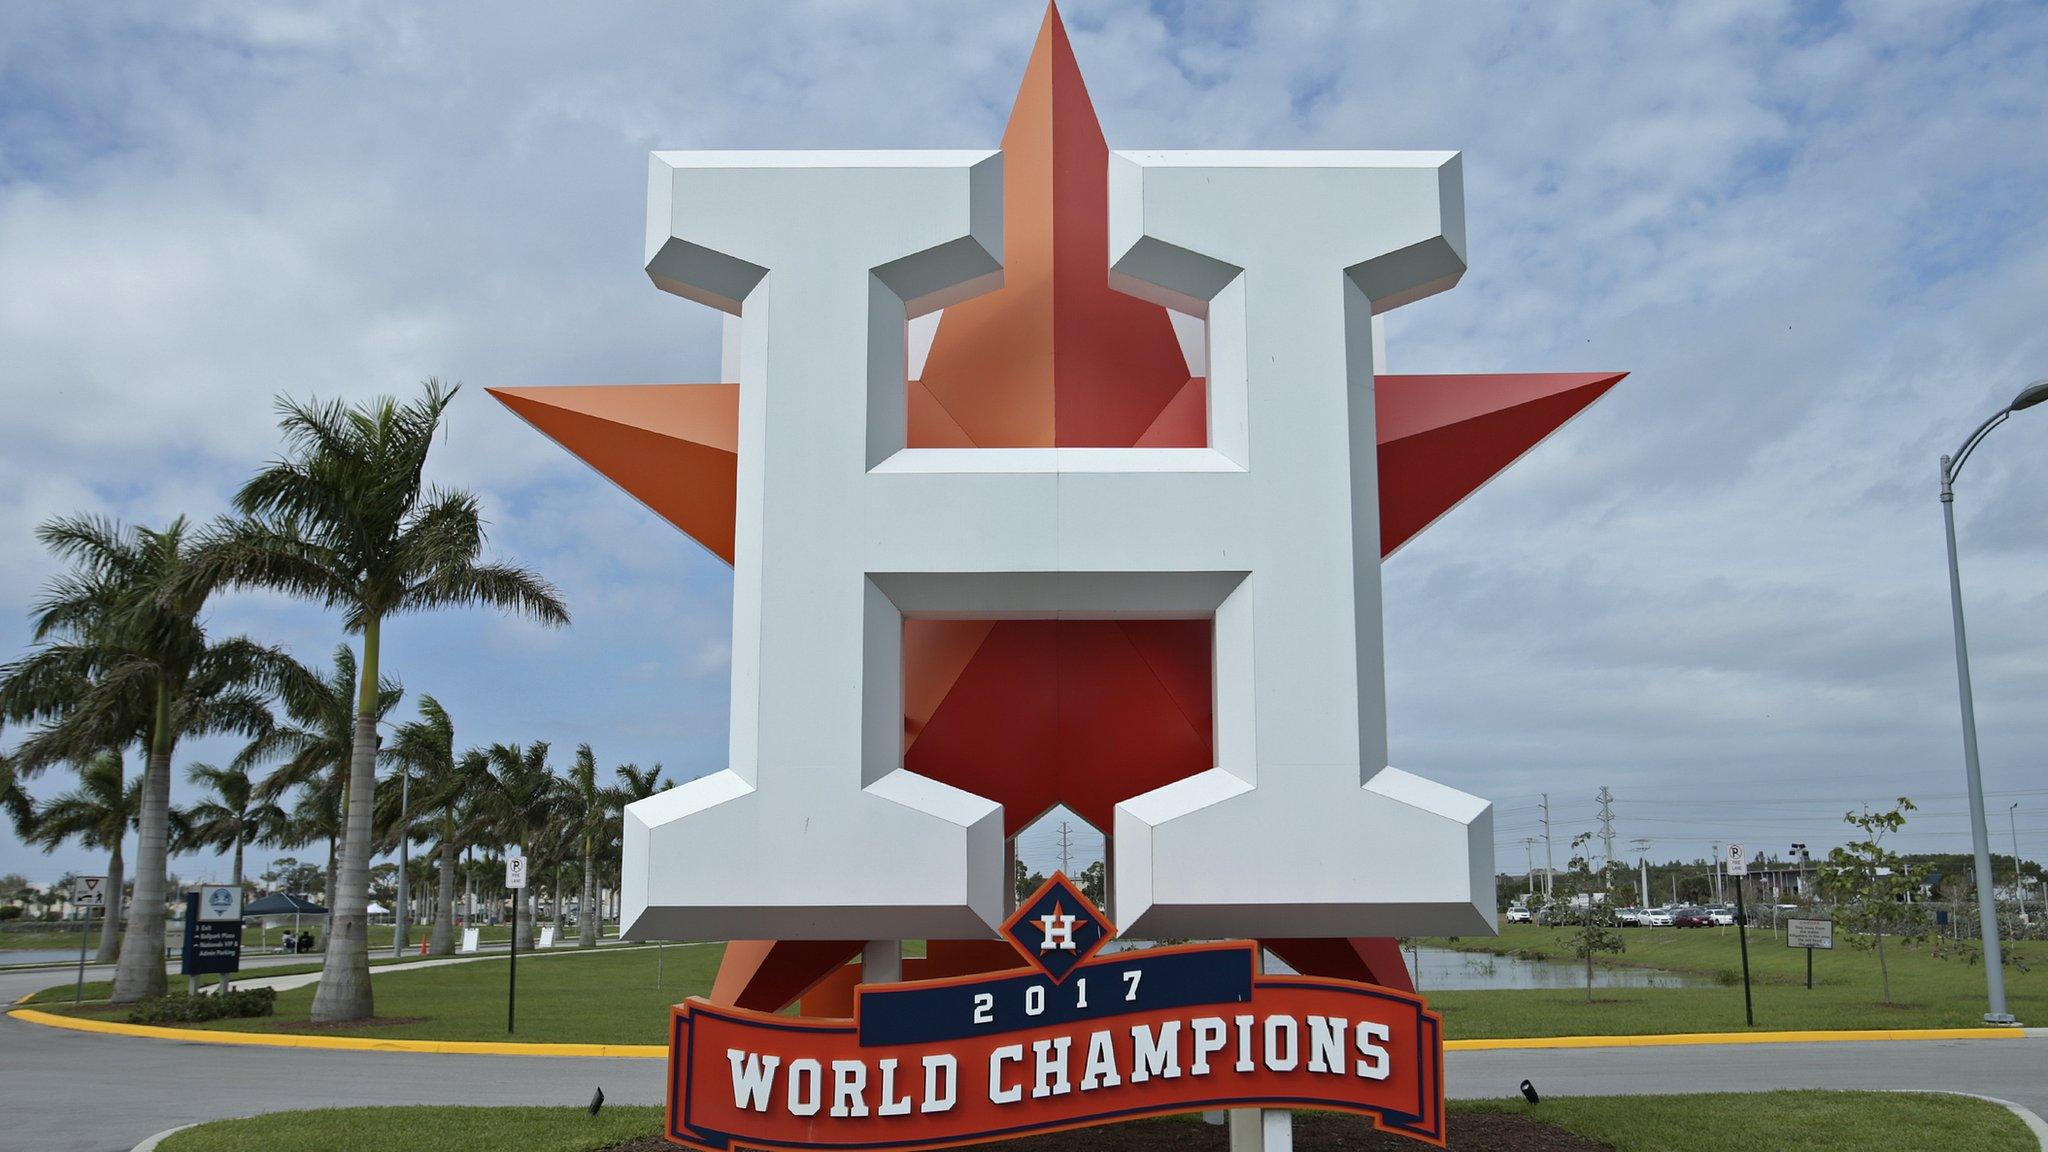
x=1717 y=871
x=1066 y=855
x=2019 y=882
x=1642 y=848
x=1548 y=866
x=1606 y=799
x=1529 y=857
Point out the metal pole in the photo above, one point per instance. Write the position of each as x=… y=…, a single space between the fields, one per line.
x=398 y=933
x=512 y=976
x=1548 y=866
x=84 y=930
x=1742 y=932
x=1987 y=896
x=2019 y=882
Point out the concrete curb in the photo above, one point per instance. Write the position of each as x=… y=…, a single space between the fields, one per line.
x=658 y=1051
x=150 y=1144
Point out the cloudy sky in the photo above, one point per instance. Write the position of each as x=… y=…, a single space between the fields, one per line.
x=1814 y=233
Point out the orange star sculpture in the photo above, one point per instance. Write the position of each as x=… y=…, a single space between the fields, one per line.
x=1036 y=713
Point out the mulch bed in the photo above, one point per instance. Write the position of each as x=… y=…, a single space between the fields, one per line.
x=1313 y=1132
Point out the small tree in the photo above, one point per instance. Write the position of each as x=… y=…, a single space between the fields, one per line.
x=1873 y=884
x=1579 y=901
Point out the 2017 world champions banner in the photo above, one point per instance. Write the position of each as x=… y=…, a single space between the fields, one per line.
x=933 y=1063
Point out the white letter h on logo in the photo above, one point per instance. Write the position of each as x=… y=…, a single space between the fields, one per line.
x=815 y=830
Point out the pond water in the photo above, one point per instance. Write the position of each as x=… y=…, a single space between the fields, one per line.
x=1448 y=970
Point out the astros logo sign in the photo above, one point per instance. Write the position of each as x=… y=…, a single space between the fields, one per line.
x=1055 y=475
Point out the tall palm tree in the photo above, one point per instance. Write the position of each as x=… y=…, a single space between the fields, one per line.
x=442 y=783
x=123 y=653
x=521 y=803
x=15 y=802
x=589 y=811
x=346 y=519
x=98 y=813
x=312 y=753
x=232 y=816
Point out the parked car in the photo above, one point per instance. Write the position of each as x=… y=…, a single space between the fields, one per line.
x=1628 y=917
x=1656 y=918
x=1691 y=918
x=1519 y=915
x=1722 y=915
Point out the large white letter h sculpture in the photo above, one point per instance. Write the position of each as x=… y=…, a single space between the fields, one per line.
x=815 y=830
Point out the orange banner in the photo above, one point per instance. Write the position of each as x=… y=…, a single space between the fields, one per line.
x=931 y=1064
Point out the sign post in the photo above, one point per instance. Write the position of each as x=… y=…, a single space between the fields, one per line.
x=88 y=893
x=1738 y=869
x=1810 y=934
x=515 y=880
x=213 y=934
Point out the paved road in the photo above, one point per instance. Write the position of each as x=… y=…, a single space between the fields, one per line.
x=135 y=1087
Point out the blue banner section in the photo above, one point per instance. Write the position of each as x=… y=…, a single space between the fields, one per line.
x=1106 y=987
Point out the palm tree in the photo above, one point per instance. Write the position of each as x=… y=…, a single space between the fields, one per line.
x=589 y=813
x=99 y=813
x=441 y=785
x=521 y=803
x=123 y=655
x=233 y=816
x=313 y=753
x=15 y=800
x=345 y=519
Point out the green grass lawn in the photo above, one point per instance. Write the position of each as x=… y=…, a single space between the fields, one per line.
x=618 y=997
x=1822 y=1122
x=1927 y=992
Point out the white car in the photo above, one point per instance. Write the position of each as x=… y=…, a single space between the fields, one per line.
x=1722 y=916
x=1656 y=917
x=1519 y=915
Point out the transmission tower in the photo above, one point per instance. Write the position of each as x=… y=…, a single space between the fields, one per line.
x=1606 y=799
x=1066 y=855
x=1548 y=866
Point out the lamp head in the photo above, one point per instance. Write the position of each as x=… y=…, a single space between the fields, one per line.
x=2029 y=396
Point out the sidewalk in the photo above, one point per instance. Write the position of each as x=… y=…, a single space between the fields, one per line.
x=302 y=979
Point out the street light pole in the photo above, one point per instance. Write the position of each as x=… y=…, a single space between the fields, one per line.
x=1987 y=894
x=2019 y=882
x=404 y=840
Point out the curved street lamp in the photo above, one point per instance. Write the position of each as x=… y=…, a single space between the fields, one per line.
x=1987 y=893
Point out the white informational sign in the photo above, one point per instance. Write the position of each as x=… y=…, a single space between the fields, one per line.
x=1738 y=864
x=89 y=891
x=220 y=902
x=515 y=872
x=1810 y=934
x=547 y=936
x=470 y=938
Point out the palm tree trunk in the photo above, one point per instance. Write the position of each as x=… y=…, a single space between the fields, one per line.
x=586 y=911
x=333 y=862
x=344 y=991
x=443 y=942
x=140 y=972
x=110 y=928
x=238 y=865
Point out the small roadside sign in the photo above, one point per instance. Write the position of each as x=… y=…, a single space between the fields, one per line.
x=1810 y=934
x=515 y=872
x=89 y=891
x=1738 y=864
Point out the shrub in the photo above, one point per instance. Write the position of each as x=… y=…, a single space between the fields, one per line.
x=10 y=912
x=179 y=1008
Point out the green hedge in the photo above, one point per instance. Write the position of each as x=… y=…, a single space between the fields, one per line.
x=179 y=1008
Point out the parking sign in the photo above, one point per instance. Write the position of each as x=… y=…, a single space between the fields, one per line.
x=515 y=872
x=1738 y=864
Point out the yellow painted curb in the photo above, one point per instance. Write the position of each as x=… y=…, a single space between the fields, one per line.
x=339 y=1043
x=1672 y=1039
x=658 y=1051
